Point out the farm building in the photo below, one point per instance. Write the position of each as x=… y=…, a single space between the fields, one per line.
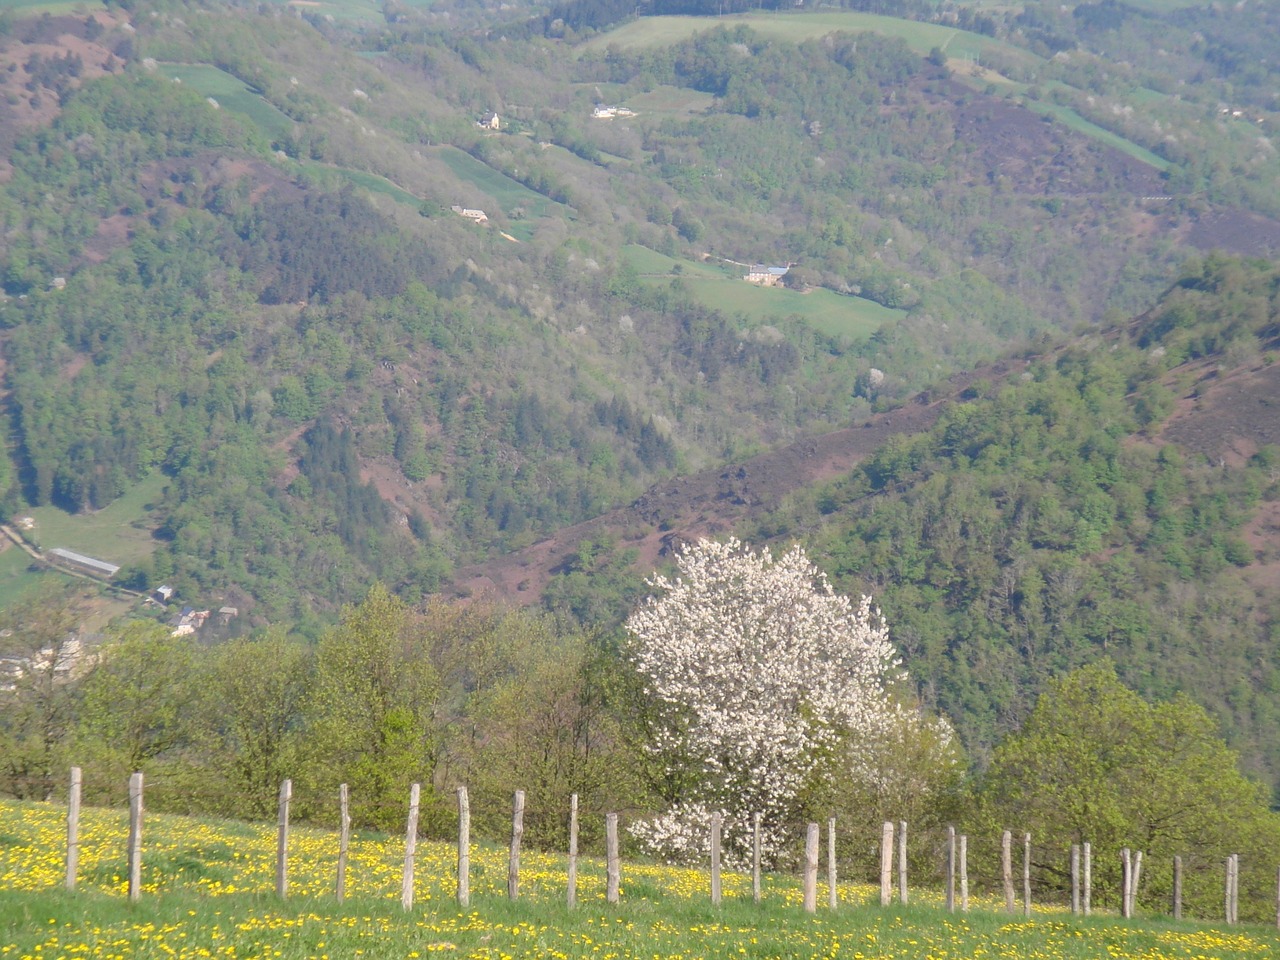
x=765 y=276
x=99 y=568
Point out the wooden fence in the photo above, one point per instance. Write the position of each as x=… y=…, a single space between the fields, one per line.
x=956 y=873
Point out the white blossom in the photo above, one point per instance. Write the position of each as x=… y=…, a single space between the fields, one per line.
x=761 y=672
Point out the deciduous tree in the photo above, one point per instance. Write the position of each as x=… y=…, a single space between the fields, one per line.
x=1096 y=763
x=763 y=680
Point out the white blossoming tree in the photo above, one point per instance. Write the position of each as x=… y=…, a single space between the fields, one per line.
x=764 y=683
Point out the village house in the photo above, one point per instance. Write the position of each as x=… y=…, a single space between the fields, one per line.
x=602 y=112
x=766 y=276
x=479 y=216
x=490 y=121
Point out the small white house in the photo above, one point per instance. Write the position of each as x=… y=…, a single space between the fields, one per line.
x=479 y=216
x=766 y=276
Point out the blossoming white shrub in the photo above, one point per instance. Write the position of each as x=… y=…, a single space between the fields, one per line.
x=763 y=679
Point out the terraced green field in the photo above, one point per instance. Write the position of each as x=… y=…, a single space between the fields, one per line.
x=231 y=94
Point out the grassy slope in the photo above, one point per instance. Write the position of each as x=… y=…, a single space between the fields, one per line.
x=724 y=289
x=920 y=37
x=207 y=891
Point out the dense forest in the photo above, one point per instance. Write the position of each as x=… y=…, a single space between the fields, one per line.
x=235 y=277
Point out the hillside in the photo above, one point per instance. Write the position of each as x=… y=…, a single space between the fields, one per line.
x=281 y=318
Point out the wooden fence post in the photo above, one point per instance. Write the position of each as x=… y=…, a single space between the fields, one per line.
x=612 y=863
x=344 y=839
x=964 y=873
x=1233 y=887
x=1226 y=892
x=410 y=848
x=715 y=859
x=755 y=858
x=1177 y=888
x=1137 y=880
x=1126 y=880
x=886 y=863
x=464 y=848
x=135 y=836
x=951 y=869
x=1006 y=868
x=1075 y=879
x=902 y=862
x=1086 y=894
x=282 y=839
x=831 y=863
x=517 y=835
x=811 y=869
x=1026 y=876
x=73 y=828
x=572 y=897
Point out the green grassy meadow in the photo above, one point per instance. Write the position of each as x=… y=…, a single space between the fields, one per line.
x=679 y=101
x=351 y=11
x=798 y=27
x=35 y=8
x=231 y=94
x=722 y=287
x=119 y=533
x=17 y=576
x=208 y=891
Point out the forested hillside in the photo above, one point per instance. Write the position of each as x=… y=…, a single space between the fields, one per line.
x=303 y=302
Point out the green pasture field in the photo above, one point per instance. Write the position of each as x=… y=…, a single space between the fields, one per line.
x=36 y=8
x=207 y=891
x=722 y=287
x=798 y=27
x=674 y=100
x=231 y=94
x=506 y=192
x=17 y=576
x=356 y=11
x=824 y=310
x=119 y=533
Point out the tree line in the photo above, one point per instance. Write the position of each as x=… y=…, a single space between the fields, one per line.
x=743 y=687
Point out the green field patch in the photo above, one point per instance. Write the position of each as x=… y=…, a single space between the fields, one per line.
x=231 y=94
x=19 y=577
x=350 y=11
x=508 y=194
x=35 y=8
x=119 y=533
x=674 y=100
x=798 y=27
x=824 y=310
x=721 y=287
